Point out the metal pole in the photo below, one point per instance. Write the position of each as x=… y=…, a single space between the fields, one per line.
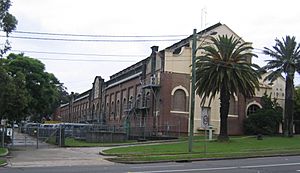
x=2 y=141
x=191 y=132
x=12 y=135
x=37 y=138
x=60 y=136
x=205 y=141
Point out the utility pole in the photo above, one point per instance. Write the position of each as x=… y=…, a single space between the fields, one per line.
x=192 y=110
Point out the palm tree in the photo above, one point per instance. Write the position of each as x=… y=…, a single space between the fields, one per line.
x=225 y=68
x=286 y=60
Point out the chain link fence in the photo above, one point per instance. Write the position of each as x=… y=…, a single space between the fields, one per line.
x=56 y=134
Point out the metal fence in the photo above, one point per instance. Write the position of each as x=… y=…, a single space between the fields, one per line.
x=57 y=134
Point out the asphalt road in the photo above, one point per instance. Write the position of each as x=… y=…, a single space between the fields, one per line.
x=289 y=164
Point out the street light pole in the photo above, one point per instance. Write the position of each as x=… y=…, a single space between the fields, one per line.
x=192 y=110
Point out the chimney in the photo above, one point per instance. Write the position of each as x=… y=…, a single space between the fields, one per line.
x=153 y=59
x=154 y=48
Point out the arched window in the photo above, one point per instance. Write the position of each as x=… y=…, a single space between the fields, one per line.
x=124 y=104
x=233 y=107
x=252 y=109
x=130 y=102
x=118 y=108
x=107 y=109
x=147 y=102
x=179 y=101
x=112 y=108
x=93 y=113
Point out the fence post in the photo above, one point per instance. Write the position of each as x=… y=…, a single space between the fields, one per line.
x=12 y=135
x=179 y=128
x=2 y=140
x=60 y=136
x=37 y=138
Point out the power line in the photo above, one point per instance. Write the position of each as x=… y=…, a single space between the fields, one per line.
x=86 y=60
x=89 y=40
x=90 y=35
x=77 y=54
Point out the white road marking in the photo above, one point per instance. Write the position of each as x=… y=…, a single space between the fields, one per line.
x=210 y=169
x=186 y=170
x=270 y=165
x=155 y=166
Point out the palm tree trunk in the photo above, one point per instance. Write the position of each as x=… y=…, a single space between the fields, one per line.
x=224 y=109
x=289 y=107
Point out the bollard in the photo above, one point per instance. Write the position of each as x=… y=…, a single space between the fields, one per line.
x=210 y=132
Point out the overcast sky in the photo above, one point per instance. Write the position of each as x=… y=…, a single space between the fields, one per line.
x=256 y=21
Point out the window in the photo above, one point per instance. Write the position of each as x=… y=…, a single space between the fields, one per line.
x=112 y=108
x=252 y=109
x=179 y=100
x=147 y=102
x=130 y=102
x=118 y=108
x=124 y=104
x=233 y=106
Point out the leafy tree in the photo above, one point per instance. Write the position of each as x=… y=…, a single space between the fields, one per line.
x=13 y=94
x=8 y=23
x=286 y=59
x=29 y=90
x=225 y=69
x=265 y=120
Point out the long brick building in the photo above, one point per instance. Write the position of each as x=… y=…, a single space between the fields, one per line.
x=152 y=97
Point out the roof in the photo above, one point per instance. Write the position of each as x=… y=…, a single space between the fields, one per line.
x=186 y=40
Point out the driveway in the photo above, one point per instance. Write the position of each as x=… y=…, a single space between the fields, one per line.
x=50 y=155
x=45 y=157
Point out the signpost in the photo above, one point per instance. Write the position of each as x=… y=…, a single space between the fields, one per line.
x=3 y=125
x=205 y=124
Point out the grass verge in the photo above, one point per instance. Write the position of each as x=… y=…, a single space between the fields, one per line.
x=71 y=142
x=236 y=147
x=2 y=162
x=3 y=151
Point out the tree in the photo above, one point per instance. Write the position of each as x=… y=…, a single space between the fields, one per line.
x=14 y=97
x=225 y=69
x=8 y=23
x=286 y=54
x=29 y=90
x=265 y=120
x=297 y=109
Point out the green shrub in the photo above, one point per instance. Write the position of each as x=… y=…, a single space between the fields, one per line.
x=264 y=121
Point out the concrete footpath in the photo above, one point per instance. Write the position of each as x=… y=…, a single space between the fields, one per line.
x=28 y=155
x=56 y=157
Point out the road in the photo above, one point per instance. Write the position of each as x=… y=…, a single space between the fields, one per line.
x=289 y=164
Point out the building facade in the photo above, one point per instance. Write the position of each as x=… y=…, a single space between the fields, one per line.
x=152 y=97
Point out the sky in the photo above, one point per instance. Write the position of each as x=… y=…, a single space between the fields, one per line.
x=76 y=63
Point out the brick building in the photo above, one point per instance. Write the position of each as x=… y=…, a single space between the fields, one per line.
x=152 y=97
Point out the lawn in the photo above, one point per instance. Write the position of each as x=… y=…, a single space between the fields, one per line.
x=71 y=142
x=2 y=161
x=236 y=147
x=3 y=151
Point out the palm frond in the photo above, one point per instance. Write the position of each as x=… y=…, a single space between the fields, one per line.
x=225 y=64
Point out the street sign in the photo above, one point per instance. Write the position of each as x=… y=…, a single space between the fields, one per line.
x=205 y=117
x=3 y=122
